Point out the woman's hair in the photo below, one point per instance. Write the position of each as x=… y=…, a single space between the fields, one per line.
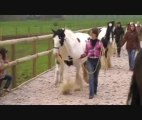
x=129 y=26
x=3 y=52
x=95 y=31
x=132 y=24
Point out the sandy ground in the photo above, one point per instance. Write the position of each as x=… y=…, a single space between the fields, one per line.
x=113 y=88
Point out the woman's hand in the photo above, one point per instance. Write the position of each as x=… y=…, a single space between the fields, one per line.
x=6 y=61
x=82 y=56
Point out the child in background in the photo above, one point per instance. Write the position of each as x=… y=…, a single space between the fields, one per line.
x=3 y=73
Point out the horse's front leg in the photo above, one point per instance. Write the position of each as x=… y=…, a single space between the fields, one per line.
x=109 y=61
x=104 y=59
x=61 y=70
x=109 y=54
x=57 y=74
x=78 y=81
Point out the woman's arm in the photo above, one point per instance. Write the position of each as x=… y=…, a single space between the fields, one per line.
x=85 y=52
x=1 y=66
x=101 y=47
x=6 y=61
x=124 y=39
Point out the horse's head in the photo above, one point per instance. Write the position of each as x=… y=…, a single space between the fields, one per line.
x=111 y=24
x=110 y=30
x=59 y=38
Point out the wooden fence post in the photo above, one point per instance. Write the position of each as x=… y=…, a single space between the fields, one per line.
x=33 y=52
x=13 y=57
x=34 y=60
x=49 y=55
x=52 y=57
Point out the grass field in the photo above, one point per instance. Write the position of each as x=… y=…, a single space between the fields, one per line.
x=44 y=27
x=24 y=70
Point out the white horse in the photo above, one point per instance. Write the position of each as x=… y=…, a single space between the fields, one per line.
x=106 y=36
x=68 y=47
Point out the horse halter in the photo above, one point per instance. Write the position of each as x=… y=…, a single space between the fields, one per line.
x=61 y=42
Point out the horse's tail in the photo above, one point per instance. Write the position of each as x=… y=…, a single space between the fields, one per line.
x=85 y=74
x=133 y=96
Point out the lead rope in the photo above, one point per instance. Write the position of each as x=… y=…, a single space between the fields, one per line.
x=84 y=66
x=96 y=65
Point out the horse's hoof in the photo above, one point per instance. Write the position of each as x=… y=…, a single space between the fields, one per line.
x=56 y=84
x=66 y=92
x=78 y=89
x=60 y=82
x=86 y=81
x=66 y=88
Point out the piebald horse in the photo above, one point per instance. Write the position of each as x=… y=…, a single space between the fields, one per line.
x=68 y=47
x=107 y=38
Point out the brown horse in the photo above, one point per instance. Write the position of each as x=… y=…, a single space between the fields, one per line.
x=135 y=93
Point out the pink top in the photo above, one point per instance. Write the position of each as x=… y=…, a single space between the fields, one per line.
x=93 y=52
x=2 y=72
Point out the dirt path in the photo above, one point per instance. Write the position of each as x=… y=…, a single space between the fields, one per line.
x=112 y=89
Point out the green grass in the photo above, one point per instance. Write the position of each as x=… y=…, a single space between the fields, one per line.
x=44 y=27
x=24 y=70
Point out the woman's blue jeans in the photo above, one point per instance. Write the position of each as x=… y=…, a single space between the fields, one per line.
x=131 y=57
x=93 y=78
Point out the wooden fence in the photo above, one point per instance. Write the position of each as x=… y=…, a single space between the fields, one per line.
x=33 y=57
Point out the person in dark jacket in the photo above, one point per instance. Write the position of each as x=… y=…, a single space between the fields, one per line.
x=132 y=45
x=118 y=33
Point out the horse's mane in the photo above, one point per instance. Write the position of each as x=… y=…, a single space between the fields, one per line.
x=69 y=30
x=70 y=33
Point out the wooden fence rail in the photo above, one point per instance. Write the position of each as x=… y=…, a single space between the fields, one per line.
x=27 y=58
